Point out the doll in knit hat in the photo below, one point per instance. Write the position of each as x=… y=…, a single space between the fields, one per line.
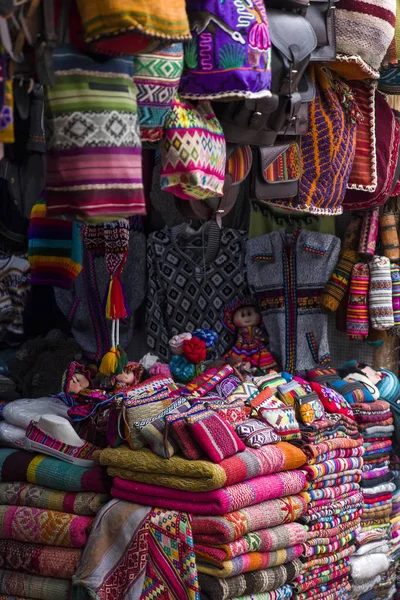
x=131 y=375
x=75 y=380
x=242 y=317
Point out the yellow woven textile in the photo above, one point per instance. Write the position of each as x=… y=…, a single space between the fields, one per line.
x=105 y=18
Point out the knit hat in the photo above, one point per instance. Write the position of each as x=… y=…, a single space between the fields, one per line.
x=364 y=31
x=193 y=152
x=357 y=323
x=55 y=249
x=229 y=55
x=74 y=368
x=389 y=386
x=380 y=294
x=339 y=281
x=229 y=311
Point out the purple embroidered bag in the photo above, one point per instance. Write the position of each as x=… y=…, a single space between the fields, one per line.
x=230 y=53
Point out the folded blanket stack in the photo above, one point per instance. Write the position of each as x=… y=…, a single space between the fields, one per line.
x=375 y=423
x=395 y=519
x=47 y=508
x=244 y=511
x=335 y=501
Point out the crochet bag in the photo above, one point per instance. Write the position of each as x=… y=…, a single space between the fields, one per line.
x=387 y=144
x=103 y=19
x=156 y=76
x=94 y=163
x=229 y=55
x=193 y=152
x=364 y=31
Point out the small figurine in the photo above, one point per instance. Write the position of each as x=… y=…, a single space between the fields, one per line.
x=130 y=376
x=243 y=318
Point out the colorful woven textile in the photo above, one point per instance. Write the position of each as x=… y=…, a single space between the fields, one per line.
x=32 y=586
x=19 y=465
x=217 y=502
x=339 y=281
x=171 y=566
x=179 y=473
x=334 y=466
x=39 y=526
x=135 y=551
x=256 y=582
x=26 y=494
x=252 y=561
x=55 y=250
x=283 y=593
x=263 y=540
x=35 y=434
x=234 y=525
x=109 y=18
x=380 y=294
x=395 y=275
x=357 y=324
x=47 y=561
x=214 y=435
x=156 y=76
x=193 y=152
x=94 y=168
x=237 y=59
x=389 y=236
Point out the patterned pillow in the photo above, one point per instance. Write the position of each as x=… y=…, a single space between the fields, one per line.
x=178 y=430
x=282 y=418
x=289 y=392
x=214 y=435
x=332 y=401
x=272 y=380
x=255 y=433
x=234 y=413
x=245 y=391
x=310 y=408
x=261 y=399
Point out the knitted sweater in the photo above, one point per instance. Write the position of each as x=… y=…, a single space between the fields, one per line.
x=287 y=275
x=189 y=286
x=14 y=274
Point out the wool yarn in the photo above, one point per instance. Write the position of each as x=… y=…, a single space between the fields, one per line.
x=380 y=294
x=339 y=281
x=357 y=324
x=395 y=275
x=389 y=237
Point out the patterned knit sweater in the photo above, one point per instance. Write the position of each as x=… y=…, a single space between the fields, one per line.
x=190 y=285
x=287 y=274
x=14 y=274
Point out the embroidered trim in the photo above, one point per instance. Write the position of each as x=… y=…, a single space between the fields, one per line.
x=267 y=257
x=314 y=249
x=35 y=434
x=326 y=358
x=312 y=344
x=290 y=293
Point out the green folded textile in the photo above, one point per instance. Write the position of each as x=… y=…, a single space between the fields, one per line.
x=31 y=586
x=19 y=465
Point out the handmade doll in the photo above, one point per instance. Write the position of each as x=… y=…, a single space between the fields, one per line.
x=130 y=376
x=244 y=319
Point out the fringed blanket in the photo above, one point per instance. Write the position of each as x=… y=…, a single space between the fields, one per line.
x=138 y=552
x=217 y=502
x=38 y=526
x=47 y=561
x=263 y=540
x=200 y=475
x=252 y=561
x=258 y=582
x=26 y=494
x=19 y=465
x=31 y=586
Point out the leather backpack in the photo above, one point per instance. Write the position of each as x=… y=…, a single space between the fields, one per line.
x=259 y=121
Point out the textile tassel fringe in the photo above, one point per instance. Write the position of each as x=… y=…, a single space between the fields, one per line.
x=116 y=307
x=114 y=361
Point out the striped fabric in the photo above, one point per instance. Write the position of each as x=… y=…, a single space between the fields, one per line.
x=380 y=294
x=363 y=174
x=55 y=250
x=35 y=434
x=339 y=281
x=395 y=275
x=357 y=310
x=94 y=166
x=105 y=18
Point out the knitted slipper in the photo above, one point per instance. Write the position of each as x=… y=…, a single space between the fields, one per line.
x=39 y=439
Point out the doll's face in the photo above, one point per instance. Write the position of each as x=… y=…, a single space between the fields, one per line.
x=126 y=377
x=78 y=383
x=247 y=316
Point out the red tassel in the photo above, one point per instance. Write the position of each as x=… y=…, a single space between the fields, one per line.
x=116 y=308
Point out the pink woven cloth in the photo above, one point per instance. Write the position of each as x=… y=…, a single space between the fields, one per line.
x=217 y=502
